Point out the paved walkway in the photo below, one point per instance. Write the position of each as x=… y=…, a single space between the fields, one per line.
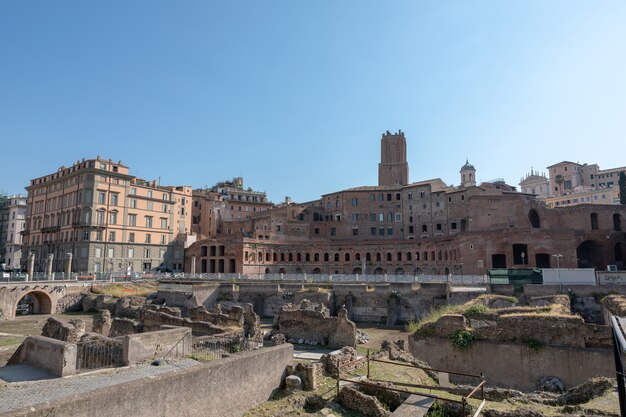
x=21 y=373
x=20 y=395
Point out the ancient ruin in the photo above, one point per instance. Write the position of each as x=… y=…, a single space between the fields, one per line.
x=312 y=324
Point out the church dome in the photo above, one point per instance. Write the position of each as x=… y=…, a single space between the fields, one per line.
x=468 y=166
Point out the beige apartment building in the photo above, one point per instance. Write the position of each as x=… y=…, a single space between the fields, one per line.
x=107 y=219
x=12 y=217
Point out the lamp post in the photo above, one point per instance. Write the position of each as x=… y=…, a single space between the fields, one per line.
x=523 y=258
x=558 y=257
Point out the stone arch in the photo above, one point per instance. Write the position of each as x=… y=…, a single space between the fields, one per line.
x=417 y=271
x=533 y=218
x=281 y=270
x=357 y=270
x=298 y=270
x=379 y=271
x=38 y=302
x=267 y=270
x=590 y=255
x=316 y=271
x=446 y=271
x=399 y=271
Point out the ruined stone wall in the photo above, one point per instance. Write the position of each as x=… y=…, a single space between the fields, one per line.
x=514 y=365
x=316 y=328
x=154 y=320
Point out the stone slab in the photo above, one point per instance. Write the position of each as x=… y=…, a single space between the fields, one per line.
x=414 y=406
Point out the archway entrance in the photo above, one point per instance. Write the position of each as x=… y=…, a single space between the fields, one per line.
x=34 y=302
x=590 y=255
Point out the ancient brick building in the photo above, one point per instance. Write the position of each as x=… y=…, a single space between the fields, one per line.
x=425 y=227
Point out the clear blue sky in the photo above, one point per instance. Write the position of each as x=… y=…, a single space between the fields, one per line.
x=294 y=95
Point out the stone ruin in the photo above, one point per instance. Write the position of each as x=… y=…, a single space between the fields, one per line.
x=312 y=324
x=67 y=331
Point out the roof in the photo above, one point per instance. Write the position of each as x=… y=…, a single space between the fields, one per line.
x=564 y=162
x=468 y=166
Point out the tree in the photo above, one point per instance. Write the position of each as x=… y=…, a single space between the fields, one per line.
x=559 y=181
x=622 y=187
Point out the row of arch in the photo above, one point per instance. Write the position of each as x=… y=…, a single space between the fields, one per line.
x=376 y=271
x=419 y=256
x=535 y=221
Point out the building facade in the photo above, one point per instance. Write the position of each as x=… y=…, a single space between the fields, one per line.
x=425 y=227
x=12 y=220
x=107 y=219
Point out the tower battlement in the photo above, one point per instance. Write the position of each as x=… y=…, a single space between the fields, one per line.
x=393 y=168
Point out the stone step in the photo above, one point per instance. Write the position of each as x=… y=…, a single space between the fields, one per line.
x=414 y=406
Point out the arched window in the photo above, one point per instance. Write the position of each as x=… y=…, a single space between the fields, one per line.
x=533 y=217
x=316 y=257
x=298 y=257
x=307 y=257
x=267 y=256
x=326 y=257
x=399 y=256
x=417 y=256
x=368 y=257
x=357 y=257
x=336 y=257
x=379 y=257
x=389 y=257
x=282 y=257
x=440 y=256
x=347 y=257
x=425 y=256
x=275 y=257
x=408 y=256
x=432 y=255
x=290 y=257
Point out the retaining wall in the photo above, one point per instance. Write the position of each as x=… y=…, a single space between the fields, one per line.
x=142 y=346
x=512 y=365
x=224 y=388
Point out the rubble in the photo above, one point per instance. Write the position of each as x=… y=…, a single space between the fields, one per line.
x=66 y=331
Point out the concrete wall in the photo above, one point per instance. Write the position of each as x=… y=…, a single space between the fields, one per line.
x=53 y=356
x=569 y=276
x=513 y=365
x=224 y=388
x=142 y=346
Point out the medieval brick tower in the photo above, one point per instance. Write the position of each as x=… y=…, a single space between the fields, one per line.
x=393 y=168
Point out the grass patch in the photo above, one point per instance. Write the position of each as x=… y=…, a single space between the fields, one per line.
x=432 y=317
x=475 y=309
x=462 y=339
x=10 y=341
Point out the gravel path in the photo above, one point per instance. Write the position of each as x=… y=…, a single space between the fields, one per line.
x=27 y=394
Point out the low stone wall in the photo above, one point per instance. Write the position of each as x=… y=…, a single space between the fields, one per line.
x=314 y=327
x=53 y=356
x=153 y=320
x=224 y=388
x=512 y=365
x=143 y=346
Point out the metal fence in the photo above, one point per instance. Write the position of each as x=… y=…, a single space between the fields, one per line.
x=313 y=278
x=206 y=351
x=98 y=354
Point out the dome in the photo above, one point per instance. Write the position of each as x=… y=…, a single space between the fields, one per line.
x=468 y=166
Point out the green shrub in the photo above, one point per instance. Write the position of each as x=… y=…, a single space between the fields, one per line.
x=535 y=345
x=438 y=410
x=462 y=339
x=475 y=309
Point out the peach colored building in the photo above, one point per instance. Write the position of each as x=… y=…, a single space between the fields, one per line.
x=109 y=220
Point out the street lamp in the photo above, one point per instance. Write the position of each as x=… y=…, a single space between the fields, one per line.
x=558 y=257
x=523 y=257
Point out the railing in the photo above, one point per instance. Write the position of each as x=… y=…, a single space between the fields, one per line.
x=98 y=354
x=330 y=278
x=206 y=351
x=463 y=402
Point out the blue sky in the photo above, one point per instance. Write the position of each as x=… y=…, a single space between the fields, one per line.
x=294 y=95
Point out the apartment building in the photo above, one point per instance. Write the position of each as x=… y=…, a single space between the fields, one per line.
x=12 y=219
x=109 y=220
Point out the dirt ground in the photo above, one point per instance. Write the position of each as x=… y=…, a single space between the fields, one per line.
x=13 y=332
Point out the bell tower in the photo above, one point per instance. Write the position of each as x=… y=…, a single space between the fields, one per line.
x=393 y=168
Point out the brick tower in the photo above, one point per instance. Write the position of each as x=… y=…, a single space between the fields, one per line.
x=393 y=168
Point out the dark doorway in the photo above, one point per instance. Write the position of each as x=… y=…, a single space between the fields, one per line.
x=618 y=252
x=498 y=260
x=617 y=222
x=542 y=260
x=590 y=255
x=520 y=254
x=231 y=266
x=594 y=221
x=463 y=225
